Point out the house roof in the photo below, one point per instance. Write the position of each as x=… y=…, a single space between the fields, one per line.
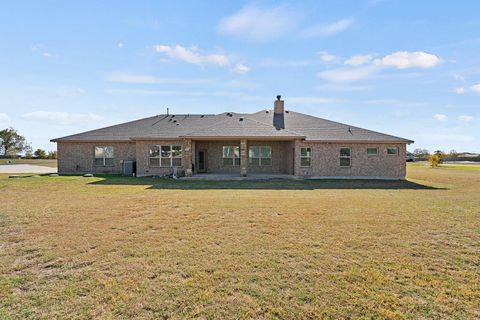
x=233 y=125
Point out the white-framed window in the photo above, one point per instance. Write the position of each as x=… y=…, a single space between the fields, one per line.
x=104 y=156
x=165 y=155
x=345 y=157
x=260 y=156
x=305 y=157
x=231 y=155
x=372 y=151
x=392 y=151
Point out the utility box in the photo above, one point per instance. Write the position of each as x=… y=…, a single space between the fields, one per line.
x=129 y=168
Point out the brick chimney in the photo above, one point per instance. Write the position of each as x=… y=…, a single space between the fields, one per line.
x=278 y=113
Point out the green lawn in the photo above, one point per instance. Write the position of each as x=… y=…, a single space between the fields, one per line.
x=112 y=247
x=38 y=162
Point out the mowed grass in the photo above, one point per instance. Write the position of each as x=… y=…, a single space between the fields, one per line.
x=453 y=166
x=112 y=247
x=37 y=162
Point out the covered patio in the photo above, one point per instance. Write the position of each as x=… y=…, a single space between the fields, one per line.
x=226 y=158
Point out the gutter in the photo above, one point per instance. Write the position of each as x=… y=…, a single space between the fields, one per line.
x=361 y=141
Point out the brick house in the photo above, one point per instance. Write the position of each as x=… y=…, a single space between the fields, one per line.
x=274 y=141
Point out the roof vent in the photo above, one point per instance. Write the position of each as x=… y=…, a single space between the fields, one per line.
x=286 y=111
x=202 y=116
x=174 y=121
x=173 y=116
x=266 y=111
x=240 y=119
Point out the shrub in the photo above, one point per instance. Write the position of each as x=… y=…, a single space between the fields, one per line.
x=434 y=160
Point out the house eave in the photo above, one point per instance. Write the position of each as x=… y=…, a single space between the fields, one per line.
x=90 y=141
x=154 y=138
x=361 y=141
x=263 y=138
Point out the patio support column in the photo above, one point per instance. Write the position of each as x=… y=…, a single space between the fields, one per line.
x=243 y=157
x=187 y=157
x=296 y=157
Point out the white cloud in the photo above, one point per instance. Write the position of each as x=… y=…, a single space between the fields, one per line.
x=465 y=118
x=240 y=68
x=327 y=30
x=460 y=90
x=362 y=67
x=259 y=24
x=405 y=59
x=327 y=57
x=4 y=117
x=120 y=44
x=359 y=60
x=130 y=78
x=192 y=55
x=475 y=88
x=47 y=55
x=440 y=117
x=347 y=74
x=122 y=77
x=63 y=118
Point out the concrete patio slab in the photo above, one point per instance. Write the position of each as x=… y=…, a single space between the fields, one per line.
x=25 y=168
x=236 y=177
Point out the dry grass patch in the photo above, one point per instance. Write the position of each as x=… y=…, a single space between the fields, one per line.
x=73 y=247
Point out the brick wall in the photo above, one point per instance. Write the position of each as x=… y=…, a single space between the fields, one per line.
x=74 y=157
x=214 y=159
x=282 y=157
x=79 y=157
x=326 y=161
x=142 y=154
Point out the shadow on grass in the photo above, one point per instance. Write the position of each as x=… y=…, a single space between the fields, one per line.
x=276 y=184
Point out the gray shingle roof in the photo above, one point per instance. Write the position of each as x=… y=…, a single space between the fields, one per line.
x=259 y=124
x=315 y=128
x=241 y=125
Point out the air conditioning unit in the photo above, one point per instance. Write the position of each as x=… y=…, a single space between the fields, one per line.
x=129 y=168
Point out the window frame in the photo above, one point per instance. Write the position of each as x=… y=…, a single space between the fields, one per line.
x=260 y=164
x=234 y=156
x=372 y=154
x=161 y=158
x=397 y=151
x=104 y=158
x=349 y=157
x=306 y=157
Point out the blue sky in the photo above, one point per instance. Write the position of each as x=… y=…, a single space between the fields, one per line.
x=408 y=68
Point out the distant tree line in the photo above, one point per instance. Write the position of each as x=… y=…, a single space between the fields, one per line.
x=439 y=156
x=12 y=144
